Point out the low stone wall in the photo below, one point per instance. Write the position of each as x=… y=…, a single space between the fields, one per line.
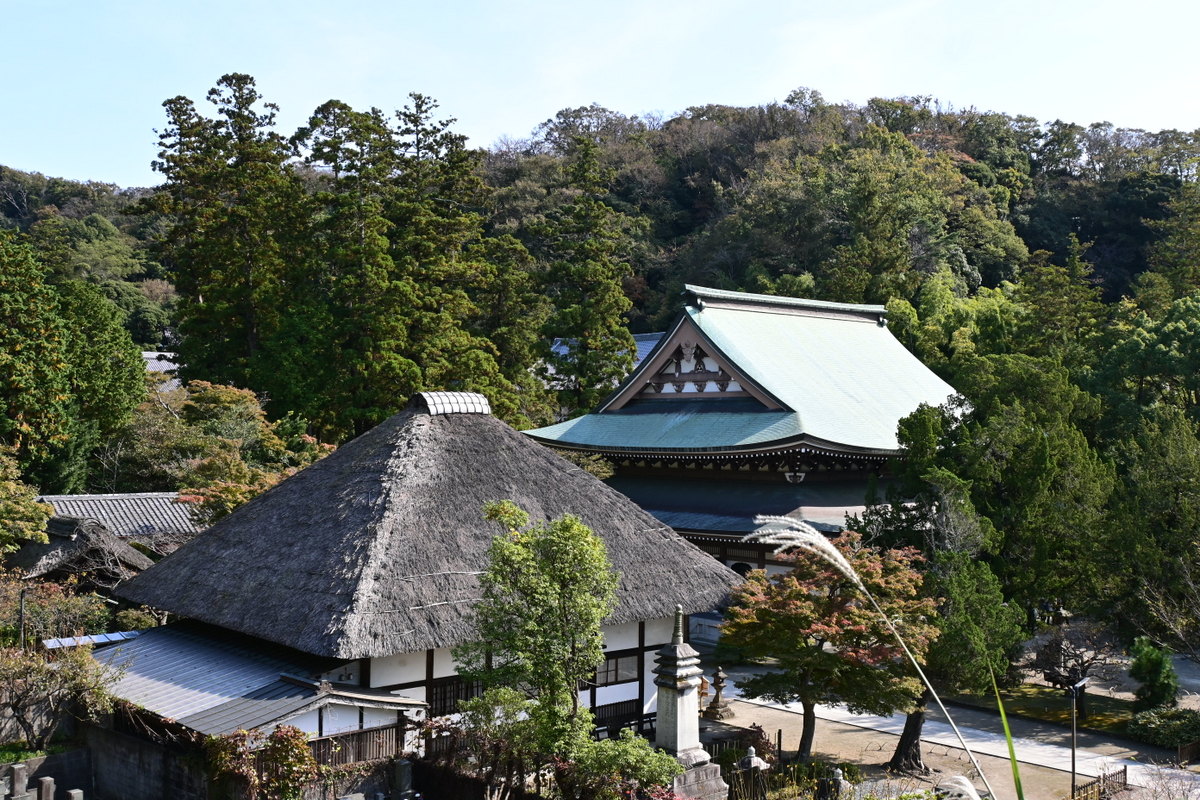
x=128 y=768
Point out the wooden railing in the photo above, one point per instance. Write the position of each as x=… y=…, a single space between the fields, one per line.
x=369 y=744
x=612 y=717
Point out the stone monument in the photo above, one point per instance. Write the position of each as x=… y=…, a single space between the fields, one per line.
x=678 y=723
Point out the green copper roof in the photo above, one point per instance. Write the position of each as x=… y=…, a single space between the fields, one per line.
x=843 y=379
x=690 y=425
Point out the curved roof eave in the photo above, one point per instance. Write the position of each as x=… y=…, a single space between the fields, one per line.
x=801 y=443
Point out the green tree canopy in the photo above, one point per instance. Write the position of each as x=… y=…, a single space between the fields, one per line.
x=546 y=591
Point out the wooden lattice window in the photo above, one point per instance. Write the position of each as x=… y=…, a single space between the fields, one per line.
x=617 y=669
x=445 y=694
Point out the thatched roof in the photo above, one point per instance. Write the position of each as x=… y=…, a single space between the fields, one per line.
x=375 y=549
x=83 y=548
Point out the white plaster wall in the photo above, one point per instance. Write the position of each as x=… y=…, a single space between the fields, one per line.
x=398 y=668
x=415 y=693
x=443 y=663
x=374 y=717
x=340 y=718
x=615 y=693
x=620 y=637
x=659 y=631
x=306 y=722
x=651 y=691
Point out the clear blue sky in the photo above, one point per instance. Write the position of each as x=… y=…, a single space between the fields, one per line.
x=84 y=80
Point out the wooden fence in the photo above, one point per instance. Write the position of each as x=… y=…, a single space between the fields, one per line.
x=1188 y=753
x=1107 y=784
x=369 y=744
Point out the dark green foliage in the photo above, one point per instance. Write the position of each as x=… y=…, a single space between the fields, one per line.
x=1152 y=668
x=1166 y=727
x=340 y=286
x=105 y=382
x=22 y=518
x=237 y=212
x=980 y=632
x=1156 y=522
x=1018 y=443
x=34 y=388
x=583 y=247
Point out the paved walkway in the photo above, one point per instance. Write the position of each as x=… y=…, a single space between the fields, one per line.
x=1035 y=742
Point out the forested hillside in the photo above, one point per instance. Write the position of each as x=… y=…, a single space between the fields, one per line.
x=1049 y=270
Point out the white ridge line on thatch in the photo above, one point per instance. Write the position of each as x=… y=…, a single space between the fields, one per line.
x=435 y=574
x=445 y=603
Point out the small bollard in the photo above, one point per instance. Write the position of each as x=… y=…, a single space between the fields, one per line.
x=45 y=789
x=20 y=780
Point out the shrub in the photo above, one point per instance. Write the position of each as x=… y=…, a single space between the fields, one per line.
x=1166 y=727
x=1152 y=667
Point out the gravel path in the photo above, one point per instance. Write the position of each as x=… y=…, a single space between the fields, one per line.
x=1043 y=749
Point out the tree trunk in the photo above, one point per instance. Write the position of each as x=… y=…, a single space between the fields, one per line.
x=809 y=730
x=907 y=757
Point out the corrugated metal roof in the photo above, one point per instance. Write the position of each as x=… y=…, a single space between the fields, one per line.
x=181 y=670
x=95 y=639
x=140 y=514
x=216 y=681
x=281 y=699
x=258 y=708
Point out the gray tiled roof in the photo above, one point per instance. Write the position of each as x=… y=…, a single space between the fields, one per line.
x=162 y=364
x=730 y=505
x=643 y=344
x=140 y=514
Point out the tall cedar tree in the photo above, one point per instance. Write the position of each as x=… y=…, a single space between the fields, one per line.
x=69 y=373
x=237 y=211
x=584 y=246
x=339 y=303
x=434 y=212
x=34 y=387
x=1017 y=442
x=351 y=315
x=830 y=644
x=106 y=380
